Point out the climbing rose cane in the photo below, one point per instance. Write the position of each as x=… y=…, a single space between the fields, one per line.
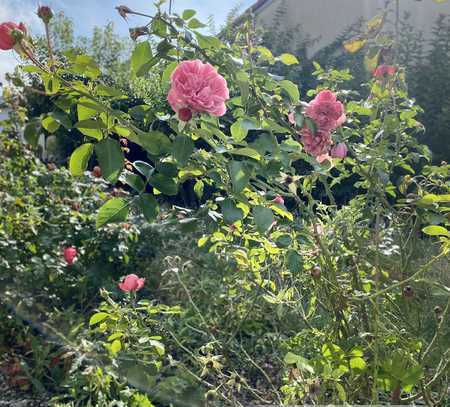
x=131 y=283
x=197 y=87
x=70 y=254
x=11 y=34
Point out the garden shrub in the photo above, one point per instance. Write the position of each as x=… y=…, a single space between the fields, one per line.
x=289 y=297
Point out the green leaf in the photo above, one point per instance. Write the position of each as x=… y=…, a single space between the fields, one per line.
x=144 y=168
x=91 y=128
x=85 y=65
x=301 y=363
x=436 y=231
x=116 y=346
x=164 y=184
x=194 y=23
x=87 y=109
x=115 y=210
x=357 y=363
x=198 y=188
x=238 y=132
x=341 y=391
x=291 y=89
x=80 y=158
x=263 y=218
x=110 y=158
x=140 y=58
x=187 y=14
x=231 y=213
x=168 y=71
x=155 y=142
x=149 y=206
x=246 y=152
x=50 y=124
x=294 y=261
x=239 y=175
x=103 y=90
x=208 y=41
x=98 y=317
x=182 y=149
x=31 y=133
x=288 y=59
x=134 y=181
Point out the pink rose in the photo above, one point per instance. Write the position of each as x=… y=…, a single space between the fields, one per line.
x=291 y=117
x=7 y=37
x=278 y=200
x=198 y=87
x=317 y=144
x=339 y=151
x=131 y=283
x=384 y=71
x=70 y=254
x=326 y=111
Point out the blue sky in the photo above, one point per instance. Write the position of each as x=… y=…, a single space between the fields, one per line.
x=90 y=13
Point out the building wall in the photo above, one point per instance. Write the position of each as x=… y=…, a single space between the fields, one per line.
x=326 y=19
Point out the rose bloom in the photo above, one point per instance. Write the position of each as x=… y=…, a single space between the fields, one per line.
x=384 y=71
x=198 y=87
x=326 y=111
x=7 y=40
x=339 y=151
x=317 y=144
x=131 y=283
x=70 y=254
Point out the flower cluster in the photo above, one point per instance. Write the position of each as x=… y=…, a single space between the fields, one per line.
x=197 y=87
x=327 y=113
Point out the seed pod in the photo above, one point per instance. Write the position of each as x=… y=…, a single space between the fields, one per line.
x=96 y=172
x=408 y=292
x=316 y=272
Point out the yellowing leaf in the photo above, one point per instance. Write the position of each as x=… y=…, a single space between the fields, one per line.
x=375 y=23
x=354 y=45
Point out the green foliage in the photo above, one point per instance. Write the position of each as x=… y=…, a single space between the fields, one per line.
x=300 y=301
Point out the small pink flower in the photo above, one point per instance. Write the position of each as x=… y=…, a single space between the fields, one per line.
x=131 y=283
x=70 y=255
x=10 y=34
x=317 y=144
x=384 y=71
x=198 y=87
x=326 y=111
x=278 y=200
x=339 y=151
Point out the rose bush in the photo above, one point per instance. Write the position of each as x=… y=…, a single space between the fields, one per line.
x=316 y=286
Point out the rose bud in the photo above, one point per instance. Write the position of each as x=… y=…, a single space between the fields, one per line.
x=316 y=272
x=131 y=283
x=384 y=71
x=45 y=13
x=339 y=151
x=278 y=200
x=96 y=172
x=11 y=34
x=137 y=32
x=70 y=254
x=185 y=114
x=123 y=11
x=408 y=292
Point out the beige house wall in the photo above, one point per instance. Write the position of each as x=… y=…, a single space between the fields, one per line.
x=326 y=19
